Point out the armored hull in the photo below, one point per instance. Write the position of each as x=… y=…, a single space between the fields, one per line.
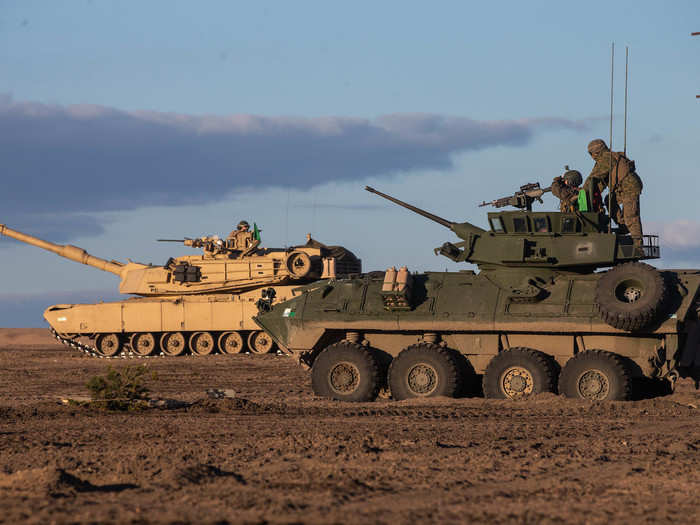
x=445 y=329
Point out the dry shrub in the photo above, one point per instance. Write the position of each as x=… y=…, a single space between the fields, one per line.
x=120 y=389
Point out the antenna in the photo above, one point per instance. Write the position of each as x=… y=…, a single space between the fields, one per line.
x=696 y=33
x=627 y=54
x=610 y=144
x=286 y=221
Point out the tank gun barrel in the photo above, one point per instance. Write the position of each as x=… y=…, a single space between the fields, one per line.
x=64 y=250
x=427 y=215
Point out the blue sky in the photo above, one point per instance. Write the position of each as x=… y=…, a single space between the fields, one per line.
x=123 y=122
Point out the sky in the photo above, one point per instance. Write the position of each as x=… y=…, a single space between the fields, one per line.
x=124 y=122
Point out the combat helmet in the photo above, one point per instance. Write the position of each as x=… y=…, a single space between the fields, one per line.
x=573 y=177
x=596 y=146
x=243 y=224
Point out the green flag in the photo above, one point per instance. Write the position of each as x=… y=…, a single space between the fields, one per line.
x=582 y=201
x=256 y=232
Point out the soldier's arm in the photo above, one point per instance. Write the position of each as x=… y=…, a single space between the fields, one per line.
x=599 y=175
x=557 y=187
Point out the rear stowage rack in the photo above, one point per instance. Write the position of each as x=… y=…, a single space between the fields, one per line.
x=651 y=247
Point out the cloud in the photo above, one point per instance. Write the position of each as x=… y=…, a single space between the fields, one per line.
x=679 y=240
x=69 y=162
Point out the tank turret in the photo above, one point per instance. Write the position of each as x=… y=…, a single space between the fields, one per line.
x=580 y=242
x=219 y=268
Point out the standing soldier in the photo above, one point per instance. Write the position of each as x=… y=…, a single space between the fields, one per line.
x=566 y=187
x=625 y=186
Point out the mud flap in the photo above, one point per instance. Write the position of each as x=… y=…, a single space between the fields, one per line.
x=690 y=355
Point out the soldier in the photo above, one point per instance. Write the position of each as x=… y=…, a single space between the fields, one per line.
x=625 y=186
x=566 y=187
x=242 y=239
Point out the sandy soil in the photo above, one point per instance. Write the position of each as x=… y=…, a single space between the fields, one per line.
x=275 y=454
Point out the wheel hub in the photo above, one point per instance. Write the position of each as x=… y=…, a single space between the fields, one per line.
x=422 y=379
x=517 y=381
x=344 y=378
x=632 y=294
x=593 y=384
x=629 y=291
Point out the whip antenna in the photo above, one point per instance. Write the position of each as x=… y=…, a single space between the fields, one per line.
x=696 y=33
x=627 y=53
x=612 y=80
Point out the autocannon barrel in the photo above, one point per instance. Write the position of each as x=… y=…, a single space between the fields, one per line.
x=427 y=215
x=69 y=252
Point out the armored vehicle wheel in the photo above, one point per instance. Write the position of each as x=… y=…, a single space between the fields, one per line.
x=173 y=343
x=346 y=371
x=202 y=343
x=299 y=264
x=596 y=375
x=230 y=343
x=519 y=372
x=630 y=296
x=424 y=370
x=109 y=345
x=143 y=343
x=259 y=342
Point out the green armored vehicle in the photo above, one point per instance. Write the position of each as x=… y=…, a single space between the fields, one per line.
x=537 y=317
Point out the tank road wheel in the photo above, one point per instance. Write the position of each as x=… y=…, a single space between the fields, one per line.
x=519 y=372
x=347 y=372
x=143 y=343
x=299 y=264
x=596 y=375
x=630 y=296
x=109 y=345
x=259 y=342
x=202 y=343
x=173 y=343
x=230 y=343
x=424 y=370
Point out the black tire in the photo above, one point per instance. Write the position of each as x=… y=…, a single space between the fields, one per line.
x=424 y=370
x=519 y=372
x=630 y=296
x=347 y=372
x=596 y=375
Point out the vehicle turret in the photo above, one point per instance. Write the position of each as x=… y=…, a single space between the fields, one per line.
x=579 y=242
x=221 y=268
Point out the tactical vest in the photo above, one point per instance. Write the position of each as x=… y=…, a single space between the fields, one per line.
x=620 y=168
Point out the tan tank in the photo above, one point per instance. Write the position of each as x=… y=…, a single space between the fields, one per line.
x=193 y=303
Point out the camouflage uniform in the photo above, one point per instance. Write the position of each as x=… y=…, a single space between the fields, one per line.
x=242 y=239
x=625 y=192
x=567 y=193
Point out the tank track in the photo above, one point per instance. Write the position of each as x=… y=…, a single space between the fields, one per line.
x=93 y=352
x=124 y=354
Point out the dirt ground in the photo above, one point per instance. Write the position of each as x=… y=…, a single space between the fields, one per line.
x=276 y=454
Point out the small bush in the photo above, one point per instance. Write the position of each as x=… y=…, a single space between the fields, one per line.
x=120 y=389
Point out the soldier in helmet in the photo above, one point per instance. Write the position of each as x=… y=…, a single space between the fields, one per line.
x=566 y=187
x=242 y=239
x=613 y=170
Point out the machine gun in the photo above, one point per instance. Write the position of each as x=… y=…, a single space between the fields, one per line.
x=210 y=245
x=522 y=199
